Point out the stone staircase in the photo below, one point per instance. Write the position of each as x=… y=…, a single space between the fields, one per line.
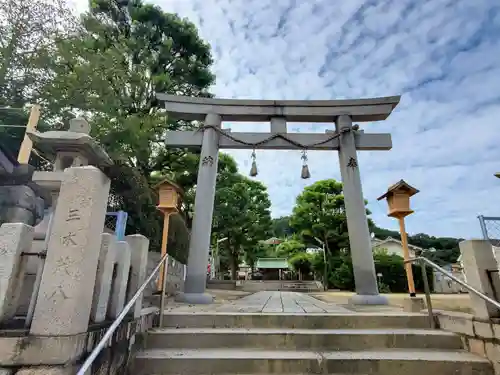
x=292 y=343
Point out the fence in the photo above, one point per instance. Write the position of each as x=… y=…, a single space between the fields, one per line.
x=490 y=228
x=117 y=222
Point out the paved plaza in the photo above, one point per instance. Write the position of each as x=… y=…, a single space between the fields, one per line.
x=276 y=302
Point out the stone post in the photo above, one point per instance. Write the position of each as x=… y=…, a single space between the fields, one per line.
x=121 y=280
x=196 y=278
x=15 y=238
x=357 y=222
x=103 y=281
x=477 y=259
x=64 y=301
x=139 y=246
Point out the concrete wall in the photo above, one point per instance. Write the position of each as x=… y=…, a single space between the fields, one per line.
x=442 y=284
x=22 y=356
x=175 y=275
x=221 y=284
x=481 y=336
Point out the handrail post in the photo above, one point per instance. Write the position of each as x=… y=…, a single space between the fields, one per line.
x=162 y=296
x=427 y=290
x=112 y=328
x=470 y=288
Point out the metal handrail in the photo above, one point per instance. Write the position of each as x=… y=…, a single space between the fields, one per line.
x=112 y=328
x=423 y=261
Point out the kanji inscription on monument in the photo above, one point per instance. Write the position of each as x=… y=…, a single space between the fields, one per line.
x=64 y=302
x=59 y=290
x=73 y=214
x=63 y=264
x=68 y=239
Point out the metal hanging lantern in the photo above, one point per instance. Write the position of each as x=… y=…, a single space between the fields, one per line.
x=253 y=170
x=305 y=174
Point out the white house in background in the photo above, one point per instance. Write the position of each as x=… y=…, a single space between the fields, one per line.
x=394 y=246
x=314 y=250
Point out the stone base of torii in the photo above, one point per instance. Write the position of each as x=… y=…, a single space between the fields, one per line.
x=346 y=140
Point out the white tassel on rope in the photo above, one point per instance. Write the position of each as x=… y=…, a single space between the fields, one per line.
x=253 y=170
x=305 y=174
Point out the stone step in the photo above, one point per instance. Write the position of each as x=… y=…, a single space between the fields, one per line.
x=328 y=339
x=246 y=361
x=295 y=320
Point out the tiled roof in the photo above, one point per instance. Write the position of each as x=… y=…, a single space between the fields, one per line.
x=272 y=263
x=376 y=242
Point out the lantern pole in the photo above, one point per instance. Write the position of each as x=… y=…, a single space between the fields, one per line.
x=398 y=200
x=164 y=243
x=406 y=254
x=169 y=201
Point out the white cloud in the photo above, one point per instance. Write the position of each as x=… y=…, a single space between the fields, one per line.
x=443 y=56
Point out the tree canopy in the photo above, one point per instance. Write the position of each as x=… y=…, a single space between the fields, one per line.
x=281 y=227
x=319 y=214
x=110 y=69
x=242 y=215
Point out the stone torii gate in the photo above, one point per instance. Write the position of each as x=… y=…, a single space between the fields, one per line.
x=346 y=139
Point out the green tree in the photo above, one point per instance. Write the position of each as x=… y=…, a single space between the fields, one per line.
x=290 y=248
x=319 y=212
x=110 y=70
x=260 y=250
x=301 y=263
x=341 y=275
x=281 y=227
x=446 y=249
x=27 y=32
x=242 y=214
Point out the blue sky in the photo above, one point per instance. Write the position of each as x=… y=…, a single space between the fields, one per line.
x=442 y=56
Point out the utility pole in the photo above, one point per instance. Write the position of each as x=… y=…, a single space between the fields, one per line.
x=216 y=257
x=325 y=265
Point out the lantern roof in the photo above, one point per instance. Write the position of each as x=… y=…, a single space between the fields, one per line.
x=166 y=181
x=75 y=140
x=399 y=187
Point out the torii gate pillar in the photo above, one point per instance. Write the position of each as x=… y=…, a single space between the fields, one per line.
x=357 y=221
x=196 y=276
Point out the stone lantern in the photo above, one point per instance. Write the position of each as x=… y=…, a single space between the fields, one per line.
x=398 y=200
x=71 y=148
x=169 y=202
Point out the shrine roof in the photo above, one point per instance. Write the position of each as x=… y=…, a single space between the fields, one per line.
x=272 y=263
